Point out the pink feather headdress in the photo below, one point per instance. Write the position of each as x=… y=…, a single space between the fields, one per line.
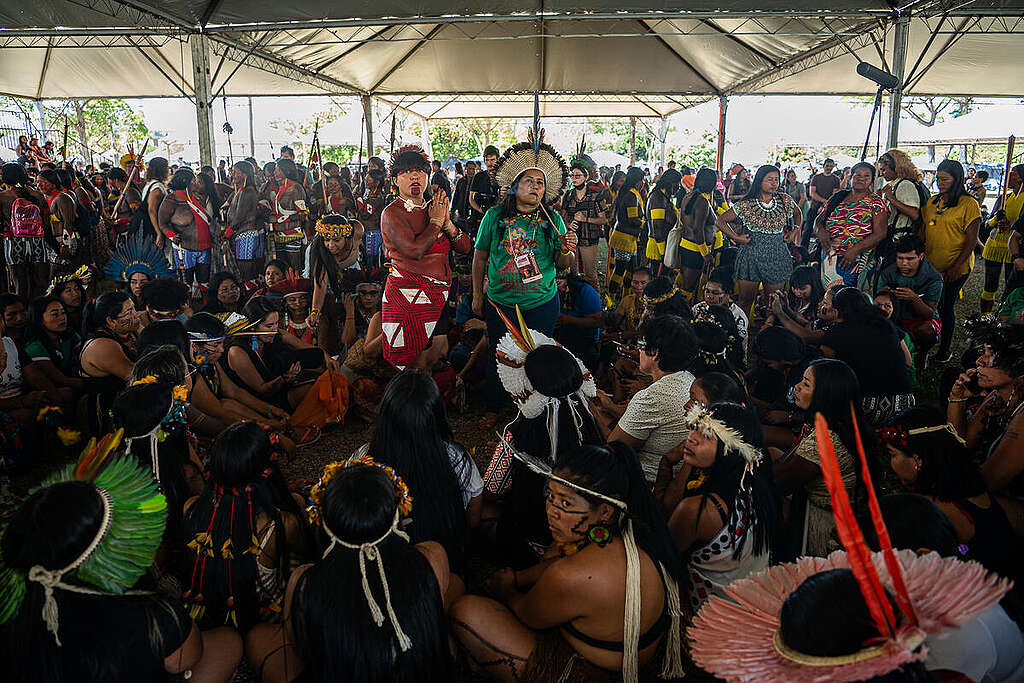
x=740 y=640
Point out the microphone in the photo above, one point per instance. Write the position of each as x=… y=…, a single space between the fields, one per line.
x=883 y=78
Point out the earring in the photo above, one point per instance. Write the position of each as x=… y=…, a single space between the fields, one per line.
x=599 y=534
x=255 y=343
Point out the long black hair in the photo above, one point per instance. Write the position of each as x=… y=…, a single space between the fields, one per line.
x=288 y=169
x=95 y=313
x=757 y=489
x=755 y=187
x=249 y=171
x=181 y=179
x=836 y=389
x=853 y=307
x=947 y=471
x=614 y=471
x=335 y=634
x=245 y=483
x=510 y=210
x=413 y=436
x=703 y=183
x=553 y=372
x=952 y=197
x=51 y=528
x=634 y=176
x=322 y=261
x=213 y=304
x=803 y=276
x=34 y=328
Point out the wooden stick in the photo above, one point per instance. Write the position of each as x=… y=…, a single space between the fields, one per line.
x=124 y=190
x=1006 y=174
x=64 y=149
x=323 y=178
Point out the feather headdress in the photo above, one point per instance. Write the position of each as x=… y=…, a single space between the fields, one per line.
x=131 y=529
x=739 y=638
x=700 y=418
x=83 y=275
x=511 y=354
x=138 y=255
x=535 y=154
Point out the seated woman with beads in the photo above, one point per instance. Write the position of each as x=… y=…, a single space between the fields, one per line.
x=270 y=364
x=604 y=601
x=253 y=526
x=551 y=389
x=727 y=521
x=207 y=336
x=51 y=344
x=75 y=549
x=394 y=626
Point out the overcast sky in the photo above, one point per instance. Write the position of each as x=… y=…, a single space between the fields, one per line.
x=755 y=123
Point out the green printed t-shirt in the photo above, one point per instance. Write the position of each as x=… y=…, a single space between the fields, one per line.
x=503 y=239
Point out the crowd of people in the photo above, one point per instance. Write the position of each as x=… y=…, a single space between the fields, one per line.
x=703 y=402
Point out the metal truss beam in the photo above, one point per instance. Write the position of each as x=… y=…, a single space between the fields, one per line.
x=828 y=50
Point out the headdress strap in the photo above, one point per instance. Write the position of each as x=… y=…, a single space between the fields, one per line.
x=50 y=579
x=369 y=551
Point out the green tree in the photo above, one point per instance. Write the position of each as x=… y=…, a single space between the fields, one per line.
x=702 y=153
x=928 y=110
x=300 y=131
x=465 y=138
x=101 y=126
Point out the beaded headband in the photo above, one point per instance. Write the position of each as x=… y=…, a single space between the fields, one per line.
x=334 y=232
x=652 y=300
x=898 y=435
x=315 y=493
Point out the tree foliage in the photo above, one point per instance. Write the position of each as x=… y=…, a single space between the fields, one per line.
x=702 y=153
x=928 y=110
x=466 y=138
x=100 y=126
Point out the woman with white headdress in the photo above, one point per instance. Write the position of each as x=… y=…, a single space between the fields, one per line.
x=728 y=515
x=519 y=246
x=551 y=388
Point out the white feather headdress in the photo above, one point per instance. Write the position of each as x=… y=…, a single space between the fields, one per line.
x=524 y=156
x=699 y=417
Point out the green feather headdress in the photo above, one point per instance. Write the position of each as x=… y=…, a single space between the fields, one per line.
x=134 y=516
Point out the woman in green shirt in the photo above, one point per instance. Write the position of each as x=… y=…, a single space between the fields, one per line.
x=519 y=246
x=50 y=344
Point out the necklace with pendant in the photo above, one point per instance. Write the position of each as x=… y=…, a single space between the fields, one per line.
x=410 y=205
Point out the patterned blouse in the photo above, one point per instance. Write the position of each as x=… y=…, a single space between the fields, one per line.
x=850 y=223
x=771 y=219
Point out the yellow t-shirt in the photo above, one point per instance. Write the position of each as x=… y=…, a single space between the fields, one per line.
x=1014 y=204
x=945 y=233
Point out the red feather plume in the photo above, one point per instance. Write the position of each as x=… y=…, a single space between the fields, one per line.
x=851 y=536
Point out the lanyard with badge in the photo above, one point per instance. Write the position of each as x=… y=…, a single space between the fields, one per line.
x=523 y=257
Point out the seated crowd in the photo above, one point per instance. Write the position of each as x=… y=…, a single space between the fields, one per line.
x=707 y=434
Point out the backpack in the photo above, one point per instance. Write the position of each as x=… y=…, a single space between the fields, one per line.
x=923 y=195
x=26 y=221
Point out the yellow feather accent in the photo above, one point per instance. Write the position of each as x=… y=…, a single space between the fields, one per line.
x=525 y=330
x=225 y=550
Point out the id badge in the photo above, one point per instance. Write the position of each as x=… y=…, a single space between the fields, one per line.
x=527 y=266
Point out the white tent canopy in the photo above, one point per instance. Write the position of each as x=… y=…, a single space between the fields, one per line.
x=435 y=59
x=484 y=59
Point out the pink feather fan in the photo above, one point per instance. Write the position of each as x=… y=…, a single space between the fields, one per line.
x=736 y=639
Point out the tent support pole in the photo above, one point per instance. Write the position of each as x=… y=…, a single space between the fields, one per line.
x=368 y=117
x=723 y=108
x=632 y=141
x=899 y=63
x=202 y=87
x=252 y=135
x=662 y=135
